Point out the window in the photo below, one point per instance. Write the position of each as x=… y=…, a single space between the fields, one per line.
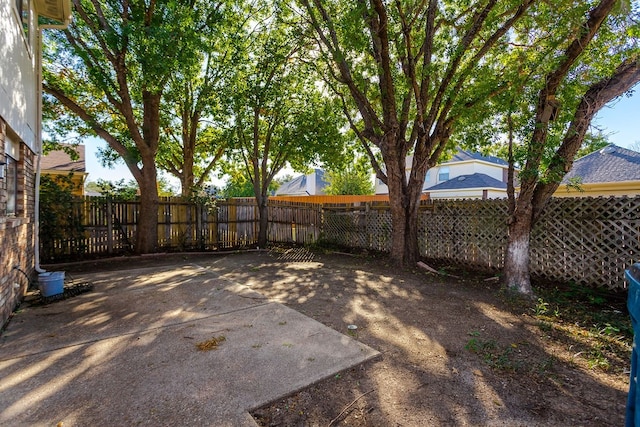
x=11 y=178
x=443 y=174
x=24 y=12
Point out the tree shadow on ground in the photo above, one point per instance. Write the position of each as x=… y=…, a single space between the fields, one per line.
x=453 y=352
x=127 y=352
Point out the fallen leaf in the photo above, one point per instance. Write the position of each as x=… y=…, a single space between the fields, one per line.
x=211 y=344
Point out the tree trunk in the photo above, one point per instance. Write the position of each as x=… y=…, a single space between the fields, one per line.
x=262 y=198
x=411 y=247
x=147 y=227
x=516 y=261
x=395 y=184
x=263 y=212
x=189 y=135
x=147 y=235
x=187 y=179
x=404 y=202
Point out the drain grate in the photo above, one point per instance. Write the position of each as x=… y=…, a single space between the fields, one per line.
x=292 y=254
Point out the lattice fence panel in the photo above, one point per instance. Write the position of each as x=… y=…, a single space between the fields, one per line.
x=586 y=240
x=468 y=232
x=359 y=226
x=378 y=226
x=345 y=227
x=589 y=241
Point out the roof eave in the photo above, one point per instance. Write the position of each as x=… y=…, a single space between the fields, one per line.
x=601 y=186
x=59 y=10
x=446 y=190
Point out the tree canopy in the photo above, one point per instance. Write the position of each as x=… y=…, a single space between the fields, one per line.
x=107 y=73
x=180 y=85
x=408 y=73
x=561 y=76
x=352 y=179
x=278 y=112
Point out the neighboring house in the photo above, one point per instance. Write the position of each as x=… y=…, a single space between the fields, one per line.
x=59 y=163
x=312 y=184
x=20 y=140
x=611 y=171
x=467 y=175
x=475 y=186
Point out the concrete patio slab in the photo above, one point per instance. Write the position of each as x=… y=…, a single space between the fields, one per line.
x=126 y=352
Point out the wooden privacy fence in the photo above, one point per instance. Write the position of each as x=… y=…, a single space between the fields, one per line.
x=586 y=240
x=109 y=227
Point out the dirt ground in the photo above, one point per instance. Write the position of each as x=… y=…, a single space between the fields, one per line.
x=455 y=350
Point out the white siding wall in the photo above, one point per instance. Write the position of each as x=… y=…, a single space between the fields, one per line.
x=456 y=169
x=491 y=170
x=18 y=90
x=471 y=167
x=497 y=194
x=467 y=194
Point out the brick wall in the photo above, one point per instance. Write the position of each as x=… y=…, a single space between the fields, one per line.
x=16 y=233
x=3 y=182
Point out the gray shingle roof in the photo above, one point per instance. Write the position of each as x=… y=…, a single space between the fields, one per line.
x=463 y=155
x=477 y=180
x=610 y=164
x=298 y=185
x=58 y=160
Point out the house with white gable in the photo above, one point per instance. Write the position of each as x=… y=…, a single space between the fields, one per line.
x=20 y=139
x=467 y=175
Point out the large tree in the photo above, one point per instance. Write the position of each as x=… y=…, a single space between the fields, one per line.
x=354 y=178
x=191 y=146
x=279 y=114
x=192 y=141
x=408 y=72
x=107 y=73
x=585 y=66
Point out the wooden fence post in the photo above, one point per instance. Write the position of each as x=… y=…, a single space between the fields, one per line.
x=109 y=226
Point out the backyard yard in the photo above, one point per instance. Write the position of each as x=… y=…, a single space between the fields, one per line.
x=455 y=349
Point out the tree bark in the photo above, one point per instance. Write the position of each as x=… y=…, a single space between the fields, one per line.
x=147 y=227
x=263 y=211
x=516 y=260
x=190 y=122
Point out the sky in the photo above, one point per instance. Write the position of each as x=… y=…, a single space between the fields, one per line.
x=620 y=121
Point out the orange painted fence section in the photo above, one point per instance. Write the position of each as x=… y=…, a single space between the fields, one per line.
x=324 y=200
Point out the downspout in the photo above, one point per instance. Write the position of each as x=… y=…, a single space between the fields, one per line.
x=36 y=227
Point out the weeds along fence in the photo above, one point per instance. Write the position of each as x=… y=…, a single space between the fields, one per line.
x=109 y=227
x=586 y=240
